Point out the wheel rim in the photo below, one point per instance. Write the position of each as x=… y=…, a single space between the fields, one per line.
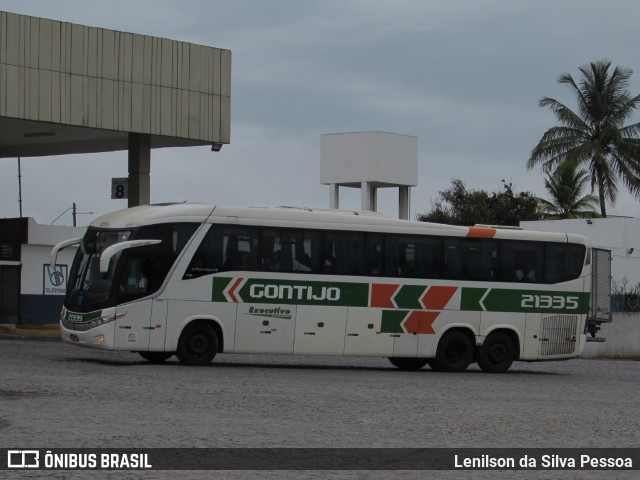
x=455 y=352
x=497 y=353
x=198 y=344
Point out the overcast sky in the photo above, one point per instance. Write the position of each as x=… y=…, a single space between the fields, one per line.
x=465 y=77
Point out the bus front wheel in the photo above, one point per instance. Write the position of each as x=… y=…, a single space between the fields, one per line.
x=198 y=344
x=404 y=363
x=497 y=353
x=454 y=353
x=155 y=357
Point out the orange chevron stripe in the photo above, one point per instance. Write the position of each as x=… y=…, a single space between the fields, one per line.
x=382 y=294
x=419 y=322
x=437 y=298
x=426 y=322
x=232 y=290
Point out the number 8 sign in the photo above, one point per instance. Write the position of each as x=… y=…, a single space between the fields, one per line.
x=119 y=188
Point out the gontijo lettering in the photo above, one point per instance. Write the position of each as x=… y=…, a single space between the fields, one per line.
x=294 y=292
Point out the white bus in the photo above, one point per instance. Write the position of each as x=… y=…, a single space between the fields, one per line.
x=195 y=280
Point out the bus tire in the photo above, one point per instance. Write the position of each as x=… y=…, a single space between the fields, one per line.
x=497 y=353
x=405 y=363
x=156 y=357
x=454 y=353
x=198 y=344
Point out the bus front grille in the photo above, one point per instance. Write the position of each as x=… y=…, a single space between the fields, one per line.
x=558 y=336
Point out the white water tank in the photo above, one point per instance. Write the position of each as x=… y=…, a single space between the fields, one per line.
x=369 y=160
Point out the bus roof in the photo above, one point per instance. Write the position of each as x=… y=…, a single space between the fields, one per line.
x=300 y=217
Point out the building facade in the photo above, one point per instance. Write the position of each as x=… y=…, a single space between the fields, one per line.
x=31 y=289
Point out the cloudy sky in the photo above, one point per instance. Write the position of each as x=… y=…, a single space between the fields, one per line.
x=464 y=76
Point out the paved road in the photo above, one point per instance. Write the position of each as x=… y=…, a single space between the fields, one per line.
x=58 y=396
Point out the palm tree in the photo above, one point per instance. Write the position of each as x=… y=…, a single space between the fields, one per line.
x=594 y=136
x=565 y=187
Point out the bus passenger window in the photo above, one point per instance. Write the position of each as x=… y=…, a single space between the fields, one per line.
x=271 y=250
x=522 y=261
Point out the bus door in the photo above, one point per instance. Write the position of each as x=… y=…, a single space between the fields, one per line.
x=265 y=328
x=158 y=325
x=132 y=326
x=141 y=325
x=137 y=279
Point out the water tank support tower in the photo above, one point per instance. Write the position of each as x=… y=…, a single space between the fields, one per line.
x=369 y=160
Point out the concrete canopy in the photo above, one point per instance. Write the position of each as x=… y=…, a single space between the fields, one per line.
x=27 y=138
x=67 y=88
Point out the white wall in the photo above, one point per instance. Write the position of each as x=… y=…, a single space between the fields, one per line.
x=623 y=338
x=35 y=258
x=36 y=254
x=618 y=234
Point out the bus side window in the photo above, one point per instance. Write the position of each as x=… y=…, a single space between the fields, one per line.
x=208 y=257
x=479 y=257
x=146 y=268
x=271 y=250
x=452 y=259
x=563 y=262
x=240 y=248
x=374 y=254
x=428 y=258
x=302 y=250
x=344 y=253
x=522 y=262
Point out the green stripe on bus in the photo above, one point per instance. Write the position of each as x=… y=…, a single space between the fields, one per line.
x=392 y=321
x=219 y=286
x=351 y=294
x=409 y=296
x=305 y=293
x=257 y=290
x=524 y=301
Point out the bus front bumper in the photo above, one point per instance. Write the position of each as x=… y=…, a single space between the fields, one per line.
x=101 y=337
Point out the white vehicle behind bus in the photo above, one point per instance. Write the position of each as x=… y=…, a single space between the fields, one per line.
x=196 y=280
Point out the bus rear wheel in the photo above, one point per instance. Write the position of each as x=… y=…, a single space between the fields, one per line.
x=497 y=353
x=155 y=357
x=198 y=344
x=454 y=353
x=404 y=363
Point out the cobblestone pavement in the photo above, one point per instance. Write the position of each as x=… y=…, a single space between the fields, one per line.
x=58 y=396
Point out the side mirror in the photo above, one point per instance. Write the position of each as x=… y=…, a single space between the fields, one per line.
x=116 y=248
x=60 y=246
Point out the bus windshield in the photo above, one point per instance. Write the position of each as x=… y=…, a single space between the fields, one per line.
x=136 y=271
x=87 y=286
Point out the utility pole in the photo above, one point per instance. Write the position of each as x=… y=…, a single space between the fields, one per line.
x=74 y=211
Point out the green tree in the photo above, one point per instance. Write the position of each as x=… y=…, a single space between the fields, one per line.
x=594 y=135
x=565 y=187
x=460 y=206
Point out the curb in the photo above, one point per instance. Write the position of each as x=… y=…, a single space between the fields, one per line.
x=51 y=331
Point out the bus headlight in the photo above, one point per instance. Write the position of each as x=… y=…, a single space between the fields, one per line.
x=96 y=322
